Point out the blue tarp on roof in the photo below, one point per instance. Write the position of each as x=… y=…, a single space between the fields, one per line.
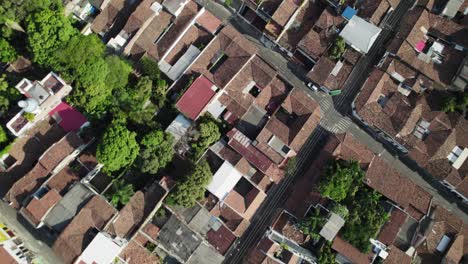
x=349 y=12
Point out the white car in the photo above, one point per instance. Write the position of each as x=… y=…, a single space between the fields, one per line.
x=312 y=87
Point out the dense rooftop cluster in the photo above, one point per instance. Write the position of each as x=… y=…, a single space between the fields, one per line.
x=161 y=131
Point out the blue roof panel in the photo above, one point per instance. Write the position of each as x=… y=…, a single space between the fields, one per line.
x=349 y=12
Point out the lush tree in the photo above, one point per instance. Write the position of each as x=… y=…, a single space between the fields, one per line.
x=338 y=48
x=133 y=99
x=7 y=52
x=7 y=95
x=150 y=68
x=47 y=30
x=156 y=151
x=120 y=193
x=192 y=188
x=366 y=217
x=208 y=134
x=159 y=92
x=118 y=147
x=326 y=255
x=91 y=93
x=455 y=102
x=3 y=136
x=81 y=59
x=340 y=210
x=342 y=179
x=450 y=105
x=119 y=70
x=75 y=53
x=312 y=224
x=14 y=10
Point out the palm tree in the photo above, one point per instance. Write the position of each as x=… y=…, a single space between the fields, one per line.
x=122 y=192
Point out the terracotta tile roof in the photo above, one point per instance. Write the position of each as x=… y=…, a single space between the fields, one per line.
x=231 y=218
x=396 y=256
x=439 y=73
x=37 y=208
x=151 y=230
x=261 y=74
x=192 y=35
x=197 y=96
x=236 y=201
x=391 y=228
x=293 y=132
x=387 y=117
x=208 y=21
x=350 y=252
x=444 y=223
x=221 y=239
x=319 y=74
x=398 y=188
x=320 y=37
x=302 y=24
x=248 y=151
x=47 y=162
x=285 y=11
x=373 y=10
x=135 y=211
x=55 y=154
x=234 y=46
x=349 y=148
x=285 y=224
x=76 y=236
x=137 y=254
x=116 y=9
x=63 y=179
x=142 y=13
x=145 y=42
x=6 y=257
x=181 y=22
x=456 y=250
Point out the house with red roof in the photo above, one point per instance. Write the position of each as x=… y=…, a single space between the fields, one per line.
x=196 y=97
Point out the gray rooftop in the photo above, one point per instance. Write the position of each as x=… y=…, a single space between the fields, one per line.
x=174 y=6
x=38 y=92
x=64 y=211
x=205 y=254
x=178 y=239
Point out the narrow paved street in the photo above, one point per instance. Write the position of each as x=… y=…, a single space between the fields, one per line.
x=9 y=217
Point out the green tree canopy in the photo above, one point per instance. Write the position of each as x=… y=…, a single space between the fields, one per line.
x=326 y=255
x=75 y=53
x=338 y=48
x=156 y=151
x=312 y=224
x=119 y=70
x=192 y=188
x=342 y=179
x=14 y=10
x=118 y=147
x=340 y=210
x=120 y=193
x=208 y=134
x=365 y=219
x=7 y=52
x=3 y=136
x=455 y=102
x=8 y=95
x=47 y=30
x=150 y=68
